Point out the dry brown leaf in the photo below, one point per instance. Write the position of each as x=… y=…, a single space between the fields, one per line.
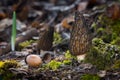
x=2 y=15
x=66 y=22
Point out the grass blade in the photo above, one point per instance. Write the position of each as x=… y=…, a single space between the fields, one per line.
x=13 y=36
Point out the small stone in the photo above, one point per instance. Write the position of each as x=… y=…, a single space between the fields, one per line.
x=33 y=60
x=86 y=66
x=101 y=73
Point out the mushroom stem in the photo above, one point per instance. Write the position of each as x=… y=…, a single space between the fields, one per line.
x=81 y=57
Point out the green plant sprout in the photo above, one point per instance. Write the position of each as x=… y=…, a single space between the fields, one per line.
x=13 y=37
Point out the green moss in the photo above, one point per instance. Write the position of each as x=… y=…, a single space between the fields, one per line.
x=4 y=68
x=25 y=44
x=67 y=62
x=116 y=41
x=97 y=41
x=115 y=26
x=112 y=29
x=57 y=38
x=100 y=30
x=116 y=65
x=106 y=44
x=95 y=58
x=68 y=55
x=53 y=65
x=90 y=77
x=1 y=65
x=93 y=25
x=101 y=54
x=107 y=29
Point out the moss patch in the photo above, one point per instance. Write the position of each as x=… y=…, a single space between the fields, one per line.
x=25 y=44
x=68 y=55
x=106 y=45
x=57 y=38
x=116 y=41
x=53 y=65
x=107 y=29
x=4 y=69
x=67 y=62
x=116 y=65
x=90 y=77
x=103 y=55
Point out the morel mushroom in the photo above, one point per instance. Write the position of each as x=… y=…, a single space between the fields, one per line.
x=45 y=38
x=80 y=37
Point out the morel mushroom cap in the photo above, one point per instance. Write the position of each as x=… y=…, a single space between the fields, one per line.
x=45 y=39
x=80 y=36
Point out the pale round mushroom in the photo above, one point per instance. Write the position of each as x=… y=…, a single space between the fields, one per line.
x=33 y=60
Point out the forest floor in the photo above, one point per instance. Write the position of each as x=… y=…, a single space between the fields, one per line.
x=35 y=20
